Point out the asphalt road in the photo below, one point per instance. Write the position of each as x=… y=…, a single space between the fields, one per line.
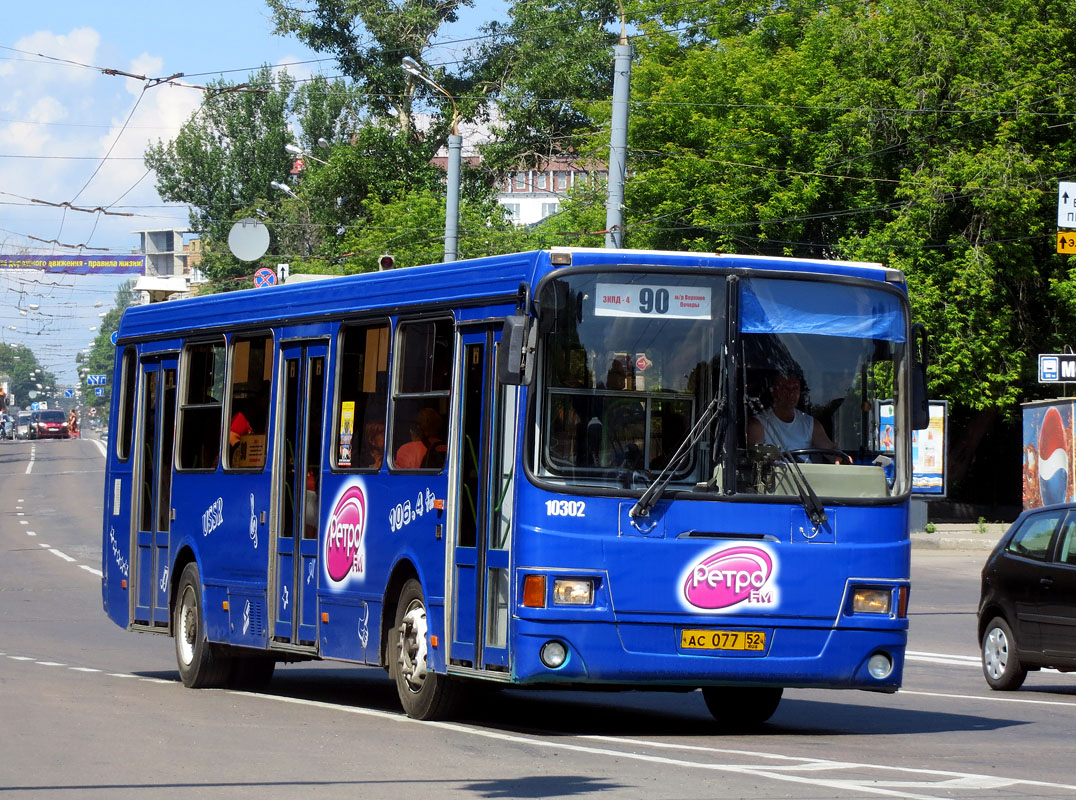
x=89 y=710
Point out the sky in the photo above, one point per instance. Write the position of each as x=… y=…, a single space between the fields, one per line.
x=70 y=133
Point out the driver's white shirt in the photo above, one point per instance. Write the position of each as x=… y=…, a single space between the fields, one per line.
x=795 y=435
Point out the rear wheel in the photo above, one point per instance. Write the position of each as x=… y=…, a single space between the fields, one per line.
x=424 y=694
x=737 y=707
x=201 y=666
x=1001 y=666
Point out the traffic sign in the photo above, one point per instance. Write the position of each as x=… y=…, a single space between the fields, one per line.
x=1066 y=205
x=1057 y=368
x=264 y=277
x=99 y=391
x=69 y=392
x=1066 y=242
x=96 y=380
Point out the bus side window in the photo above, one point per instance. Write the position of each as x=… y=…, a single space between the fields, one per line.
x=421 y=394
x=248 y=401
x=361 y=406
x=200 y=406
x=126 y=422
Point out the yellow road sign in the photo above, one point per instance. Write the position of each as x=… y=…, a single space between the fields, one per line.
x=1066 y=241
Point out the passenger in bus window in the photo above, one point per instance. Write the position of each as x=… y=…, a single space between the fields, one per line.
x=373 y=445
x=427 y=447
x=239 y=428
x=783 y=424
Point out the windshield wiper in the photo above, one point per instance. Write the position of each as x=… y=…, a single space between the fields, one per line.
x=654 y=491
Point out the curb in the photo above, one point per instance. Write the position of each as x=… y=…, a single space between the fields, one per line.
x=940 y=541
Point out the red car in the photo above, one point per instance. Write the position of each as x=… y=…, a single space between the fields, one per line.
x=49 y=425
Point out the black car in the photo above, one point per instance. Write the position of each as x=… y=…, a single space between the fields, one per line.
x=1027 y=604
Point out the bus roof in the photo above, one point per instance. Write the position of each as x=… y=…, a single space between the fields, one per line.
x=480 y=281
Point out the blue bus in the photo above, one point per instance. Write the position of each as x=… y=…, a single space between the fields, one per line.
x=572 y=467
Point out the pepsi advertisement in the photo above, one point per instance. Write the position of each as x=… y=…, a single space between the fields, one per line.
x=1048 y=453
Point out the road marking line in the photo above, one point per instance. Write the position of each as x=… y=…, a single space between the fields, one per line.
x=64 y=556
x=50 y=664
x=867 y=785
x=993 y=698
x=83 y=669
x=91 y=570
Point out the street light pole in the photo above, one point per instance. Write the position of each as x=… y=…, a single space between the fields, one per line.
x=295 y=150
x=455 y=148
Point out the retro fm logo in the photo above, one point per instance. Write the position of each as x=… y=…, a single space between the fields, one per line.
x=345 y=543
x=731 y=579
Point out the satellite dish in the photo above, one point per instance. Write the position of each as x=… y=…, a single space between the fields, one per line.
x=248 y=239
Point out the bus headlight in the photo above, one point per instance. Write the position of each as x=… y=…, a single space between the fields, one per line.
x=872 y=601
x=573 y=592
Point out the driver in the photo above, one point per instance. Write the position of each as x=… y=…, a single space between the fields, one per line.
x=783 y=424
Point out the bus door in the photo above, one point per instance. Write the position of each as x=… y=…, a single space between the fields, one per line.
x=479 y=577
x=153 y=482
x=298 y=486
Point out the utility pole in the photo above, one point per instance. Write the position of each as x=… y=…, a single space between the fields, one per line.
x=618 y=141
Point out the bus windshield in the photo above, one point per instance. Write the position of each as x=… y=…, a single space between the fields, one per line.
x=630 y=361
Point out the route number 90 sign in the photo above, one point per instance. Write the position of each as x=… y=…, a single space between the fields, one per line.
x=665 y=302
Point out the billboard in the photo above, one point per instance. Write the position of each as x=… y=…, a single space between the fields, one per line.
x=929 y=447
x=79 y=265
x=1047 y=452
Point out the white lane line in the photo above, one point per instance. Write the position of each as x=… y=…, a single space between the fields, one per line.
x=30 y=463
x=31 y=533
x=941 y=658
x=91 y=570
x=908 y=782
x=932 y=779
x=64 y=556
x=992 y=698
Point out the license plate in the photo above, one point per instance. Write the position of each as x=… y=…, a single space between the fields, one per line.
x=722 y=640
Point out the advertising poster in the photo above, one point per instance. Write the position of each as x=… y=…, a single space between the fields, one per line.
x=347 y=428
x=928 y=447
x=1047 y=453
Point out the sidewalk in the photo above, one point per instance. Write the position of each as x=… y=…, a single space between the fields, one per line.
x=960 y=536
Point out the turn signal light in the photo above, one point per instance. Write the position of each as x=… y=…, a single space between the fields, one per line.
x=902 y=602
x=534 y=591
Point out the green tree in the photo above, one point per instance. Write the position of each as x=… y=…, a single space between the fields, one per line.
x=369 y=38
x=927 y=135
x=24 y=372
x=544 y=70
x=224 y=159
x=101 y=358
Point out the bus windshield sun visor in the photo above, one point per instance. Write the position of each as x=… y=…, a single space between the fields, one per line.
x=826 y=309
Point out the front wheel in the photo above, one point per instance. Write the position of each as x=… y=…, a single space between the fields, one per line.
x=1001 y=666
x=424 y=694
x=200 y=665
x=739 y=707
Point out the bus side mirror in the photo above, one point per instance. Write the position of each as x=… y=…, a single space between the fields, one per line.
x=513 y=354
x=920 y=399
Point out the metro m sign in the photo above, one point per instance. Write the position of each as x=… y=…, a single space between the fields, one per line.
x=1057 y=368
